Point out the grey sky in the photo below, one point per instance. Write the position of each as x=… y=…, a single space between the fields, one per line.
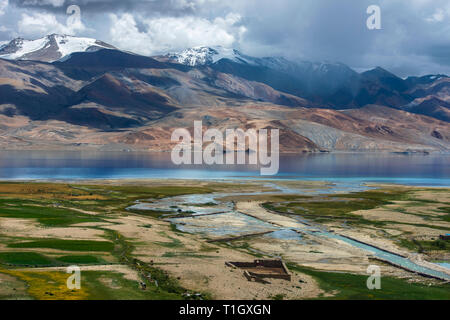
x=414 y=39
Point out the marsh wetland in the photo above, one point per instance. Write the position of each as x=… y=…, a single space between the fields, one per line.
x=170 y=239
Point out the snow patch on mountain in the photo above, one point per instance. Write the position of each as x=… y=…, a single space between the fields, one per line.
x=20 y=47
x=199 y=56
x=68 y=45
x=49 y=48
x=437 y=77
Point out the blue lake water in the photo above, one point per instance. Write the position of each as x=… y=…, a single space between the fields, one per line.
x=432 y=170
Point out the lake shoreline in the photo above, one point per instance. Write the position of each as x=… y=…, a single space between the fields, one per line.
x=429 y=170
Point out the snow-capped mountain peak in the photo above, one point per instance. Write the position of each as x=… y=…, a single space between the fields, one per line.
x=199 y=56
x=50 y=48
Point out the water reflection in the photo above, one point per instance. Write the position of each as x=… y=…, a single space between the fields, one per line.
x=409 y=169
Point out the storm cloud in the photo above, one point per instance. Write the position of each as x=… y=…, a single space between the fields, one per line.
x=414 y=38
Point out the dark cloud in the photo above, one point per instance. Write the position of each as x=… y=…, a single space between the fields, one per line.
x=105 y=6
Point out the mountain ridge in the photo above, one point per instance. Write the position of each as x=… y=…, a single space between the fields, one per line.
x=106 y=98
x=50 y=48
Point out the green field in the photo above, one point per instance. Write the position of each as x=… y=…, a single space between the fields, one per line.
x=47 y=216
x=353 y=287
x=24 y=258
x=66 y=245
x=81 y=259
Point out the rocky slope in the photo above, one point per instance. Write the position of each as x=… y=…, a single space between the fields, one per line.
x=102 y=98
x=325 y=84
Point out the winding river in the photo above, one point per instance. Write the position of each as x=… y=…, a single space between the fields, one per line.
x=222 y=213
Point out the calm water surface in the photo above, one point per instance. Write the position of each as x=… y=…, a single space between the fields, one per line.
x=433 y=170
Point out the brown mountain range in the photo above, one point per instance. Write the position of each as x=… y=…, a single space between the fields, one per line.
x=113 y=100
